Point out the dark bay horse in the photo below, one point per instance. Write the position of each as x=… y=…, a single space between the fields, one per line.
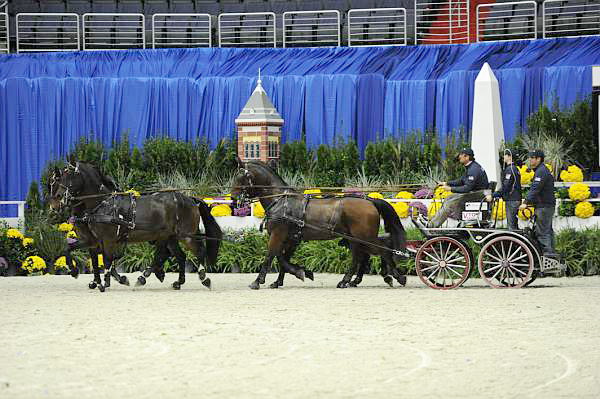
x=291 y=218
x=109 y=222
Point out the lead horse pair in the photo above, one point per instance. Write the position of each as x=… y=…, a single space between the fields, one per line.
x=106 y=221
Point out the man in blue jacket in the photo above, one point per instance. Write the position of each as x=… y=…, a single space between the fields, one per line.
x=510 y=191
x=466 y=189
x=541 y=196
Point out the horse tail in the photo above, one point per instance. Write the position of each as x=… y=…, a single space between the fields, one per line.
x=392 y=224
x=213 y=233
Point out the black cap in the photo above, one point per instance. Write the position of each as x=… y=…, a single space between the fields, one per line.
x=536 y=154
x=467 y=151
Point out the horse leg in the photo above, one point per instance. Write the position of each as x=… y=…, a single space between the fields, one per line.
x=199 y=250
x=97 y=281
x=160 y=256
x=108 y=257
x=277 y=239
x=385 y=270
x=358 y=255
x=73 y=270
x=393 y=270
x=364 y=268
x=123 y=280
x=176 y=250
x=284 y=263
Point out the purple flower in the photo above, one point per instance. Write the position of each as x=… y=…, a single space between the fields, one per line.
x=71 y=220
x=243 y=211
x=424 y=193
x=3 y=263
x=71 y=240
x=419 y=206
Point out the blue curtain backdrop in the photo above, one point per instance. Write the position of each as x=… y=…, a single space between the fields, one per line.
x=48 y=101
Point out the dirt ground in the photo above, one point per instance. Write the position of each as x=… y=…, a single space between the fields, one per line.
x=61 y=340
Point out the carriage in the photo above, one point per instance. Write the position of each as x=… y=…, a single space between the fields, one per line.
x=506 y=259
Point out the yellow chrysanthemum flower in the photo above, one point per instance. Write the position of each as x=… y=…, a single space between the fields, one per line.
x=526 y=177
x=401 y=209
x=14 y=233
x=433 y=208
x=65 y=227
x=405 y=195
x=499 y=210
x=584 y=210
x=27 y=241
x=221 y=210
x=61 y=263
x=525 y=214
x=312 y=191
x=72 y=234
x=33 y=264
x=375 y=195
x=550 y=168
x=258 y=210
x=132 y=191
x=579 y=192
x=208 y=200
x=440 y=193
x=572 y=174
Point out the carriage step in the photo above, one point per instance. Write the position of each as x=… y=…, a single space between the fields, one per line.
x=552 y=265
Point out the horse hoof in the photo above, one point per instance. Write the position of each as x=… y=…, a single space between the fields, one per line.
x=255 y=285
x=176 y=285
x=160 y=276
x=206 y=283
x=261 y=280
x=353 y=284
x=402 y=280
x=92 y=285
x=202 y=274
x=389 y=281
x=300 y=274
x=274 y=285
x=74 y=273
x=140 y=281
x=101 y=288
x=309 y=275
x=124 y=280
x=342 y=284
x=107 y=283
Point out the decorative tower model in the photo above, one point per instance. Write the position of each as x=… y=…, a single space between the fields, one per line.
x=259 y=127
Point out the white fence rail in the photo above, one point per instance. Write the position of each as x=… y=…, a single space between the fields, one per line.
x=15 y=221
x=42 y=32
x=256 y=29
x=441 y=21
x=567 y=18
x=311 y=28
x=108 y=31
x=4 y=36
x=507 y=21
x=181 y=30
x=377 y=27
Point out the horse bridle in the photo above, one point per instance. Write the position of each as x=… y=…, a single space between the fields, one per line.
x=244 y=196
x=67 y=196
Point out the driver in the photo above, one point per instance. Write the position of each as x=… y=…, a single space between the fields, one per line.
x=468 y=188
x=541 y=196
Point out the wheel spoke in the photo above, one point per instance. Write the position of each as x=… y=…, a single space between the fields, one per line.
x=492 y=256
x=455 y=272
x=493 y=268
x=500 y=268
x=503 y=251
x=428 y=262
x=519 y=258
x=455 y=265
x=431 y=256
x=428 y=268
x=517 y=270
x=455 y=259
x=497 y=253
x=433 y=273
x=452 y=254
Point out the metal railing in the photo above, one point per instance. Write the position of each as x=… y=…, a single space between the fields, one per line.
x=16 y=222
x=441 y=21
x=377 y=27
x=181 y=30
x=42 y=32
x=311 y=28
x=507 y=21
x=568 y=18
x=4 y=36
x=108 y=31
x=254 y=29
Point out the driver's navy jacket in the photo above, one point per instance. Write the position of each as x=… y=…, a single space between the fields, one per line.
x=511 y=184
x=474 y=179
x=541 y=193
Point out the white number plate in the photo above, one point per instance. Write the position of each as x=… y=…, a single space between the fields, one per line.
x=471 y=215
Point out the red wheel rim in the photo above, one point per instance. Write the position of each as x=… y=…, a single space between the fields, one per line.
x=505 y=262
x=443 y=263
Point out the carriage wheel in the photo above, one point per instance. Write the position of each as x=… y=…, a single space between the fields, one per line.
x=443 y=263
x=506 y=262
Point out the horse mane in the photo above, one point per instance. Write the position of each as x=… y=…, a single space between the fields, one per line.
x=269 y=171
x=98 y=177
